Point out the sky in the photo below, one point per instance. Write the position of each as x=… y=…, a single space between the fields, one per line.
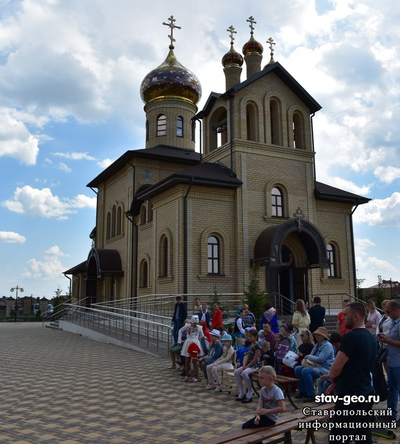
x=70 y=74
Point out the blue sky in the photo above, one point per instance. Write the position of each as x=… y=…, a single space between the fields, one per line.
x=70 y=73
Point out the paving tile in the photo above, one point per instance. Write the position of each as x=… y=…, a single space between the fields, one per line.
x=58 y=387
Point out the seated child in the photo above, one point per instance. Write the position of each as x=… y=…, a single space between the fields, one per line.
x=271 y=402
x=222 y=363
x=266 y=355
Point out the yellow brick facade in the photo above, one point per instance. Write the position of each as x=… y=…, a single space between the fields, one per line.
x=263 y=129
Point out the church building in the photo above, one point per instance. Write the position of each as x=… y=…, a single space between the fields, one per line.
x=171 y=219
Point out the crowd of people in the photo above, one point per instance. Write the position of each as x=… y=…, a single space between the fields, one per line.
x=341 y=362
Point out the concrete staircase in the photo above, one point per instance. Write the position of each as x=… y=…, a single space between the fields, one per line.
x=329 y=324
x=54 y=325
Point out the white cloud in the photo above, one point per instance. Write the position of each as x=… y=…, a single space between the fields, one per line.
x=347 y=185
x=47 y=268
x=10 y=237
x=16 y=140
x=55 y=251
x=75 y=156
x=361 y=245
x=64 y=167
x=105 y=163
x=387 y=174
x=380 y=212
x=36 y=202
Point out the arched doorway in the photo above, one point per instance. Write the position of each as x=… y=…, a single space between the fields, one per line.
x=288 y=251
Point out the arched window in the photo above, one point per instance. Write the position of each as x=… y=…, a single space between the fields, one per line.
x=332 y=261
x=276 y=202
x=143 y=215
x=144 y=273
x=113 y=220
x=161 y=125
x=275 y=122
x=147 y=130
x=108 y=226
x=251 y=122
x=150 y=218
x=179 y=126
x=213 y=255
x=119 y=220
x=298 y=131
x=164 y=257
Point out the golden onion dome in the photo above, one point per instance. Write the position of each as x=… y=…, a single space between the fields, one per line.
x=252 y=46
x=232 y=58
x=170 y=79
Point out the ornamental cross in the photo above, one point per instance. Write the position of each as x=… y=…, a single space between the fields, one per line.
x=271 y=42
x=298 y=215
x=252 y=22
x=172 y=25
x=232 y=31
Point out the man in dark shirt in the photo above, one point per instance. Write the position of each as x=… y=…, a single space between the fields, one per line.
x=351 y=375
x=179 y=317
x=317 y=314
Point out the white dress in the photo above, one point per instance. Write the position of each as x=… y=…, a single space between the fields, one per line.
x=194 y=334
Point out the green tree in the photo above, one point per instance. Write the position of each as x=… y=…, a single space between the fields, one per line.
x=254 y=297
x=360 y=291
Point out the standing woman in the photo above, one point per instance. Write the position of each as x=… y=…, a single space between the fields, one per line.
x=301 y=318
x=192 y=349
x=373 y=318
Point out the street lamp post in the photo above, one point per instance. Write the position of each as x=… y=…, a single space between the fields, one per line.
x=16 y=299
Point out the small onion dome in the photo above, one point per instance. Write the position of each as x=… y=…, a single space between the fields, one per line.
x=232 y=58
x=170 y=79
x=252 y=46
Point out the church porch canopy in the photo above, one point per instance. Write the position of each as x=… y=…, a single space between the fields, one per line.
x=268 y=247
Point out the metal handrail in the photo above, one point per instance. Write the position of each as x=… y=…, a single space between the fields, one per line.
x=57 y=313
x=121 y=326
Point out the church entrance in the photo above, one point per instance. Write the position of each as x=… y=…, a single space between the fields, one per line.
x=288 y=251
x=292 y=280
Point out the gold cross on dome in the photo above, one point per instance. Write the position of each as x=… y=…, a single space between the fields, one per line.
x=232 y=31
x=271 y=42
x=252 y=22
x=172 y=25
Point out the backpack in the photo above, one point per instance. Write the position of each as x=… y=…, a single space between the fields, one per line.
x=378 y=377
x=280 y=352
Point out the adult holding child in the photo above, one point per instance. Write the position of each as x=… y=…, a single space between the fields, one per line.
x=252 y=364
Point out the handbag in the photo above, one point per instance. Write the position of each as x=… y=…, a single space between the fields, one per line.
x=176 y=349
x=306 y=363
x=290 y=359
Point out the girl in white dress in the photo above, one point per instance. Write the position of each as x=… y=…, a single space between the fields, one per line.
x=192 y=347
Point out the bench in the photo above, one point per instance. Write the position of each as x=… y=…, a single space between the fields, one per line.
x=284 y=426
x=283 y=381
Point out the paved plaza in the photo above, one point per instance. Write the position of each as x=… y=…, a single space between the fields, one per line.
x=59 y=387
